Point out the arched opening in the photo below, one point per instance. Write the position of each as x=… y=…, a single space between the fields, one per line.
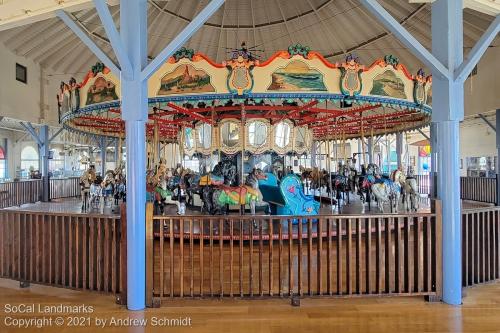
x=29 y=158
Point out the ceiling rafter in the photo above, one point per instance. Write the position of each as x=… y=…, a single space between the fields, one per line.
x=403 y=22
x=286 y=22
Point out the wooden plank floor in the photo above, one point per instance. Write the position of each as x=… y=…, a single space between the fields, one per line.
x=479 y=313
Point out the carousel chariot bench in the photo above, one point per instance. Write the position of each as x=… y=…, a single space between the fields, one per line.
x=287 y=197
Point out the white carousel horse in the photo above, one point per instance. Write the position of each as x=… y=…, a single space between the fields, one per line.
x=108 y=186
x=387 y=191
x=86 y=179
x=410 y=190
x=95 y=194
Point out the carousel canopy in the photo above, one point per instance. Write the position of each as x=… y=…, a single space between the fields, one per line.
x=279 y=104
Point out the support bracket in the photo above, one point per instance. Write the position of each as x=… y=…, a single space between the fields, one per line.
x=31 y=130
x=406 y=38
x=114 y=38
x=89 y=42
x=56 y=134
x=463 y=71
x=181 y=38
x=487 y=122
x=423 y=134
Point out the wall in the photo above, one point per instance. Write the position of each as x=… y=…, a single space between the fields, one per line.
x=482 y=90
x=19 y=100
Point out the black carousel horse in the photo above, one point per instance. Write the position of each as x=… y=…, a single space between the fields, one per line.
x=224 y=173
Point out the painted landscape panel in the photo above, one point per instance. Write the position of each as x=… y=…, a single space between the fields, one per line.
x=388 y=84
x=101 y=91
x=185 y=79
x=297 y=76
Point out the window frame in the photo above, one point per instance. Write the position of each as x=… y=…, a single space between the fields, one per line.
x=25 y=69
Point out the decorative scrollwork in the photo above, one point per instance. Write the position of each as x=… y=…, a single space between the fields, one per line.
x=299 y=49
x=391 y=60
x=183 y=53
x=98 y=68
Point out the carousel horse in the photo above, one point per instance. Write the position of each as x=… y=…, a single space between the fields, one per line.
x=157 y=187
x=223 y=174
x=95 y=193
x=108 y=187
x=386 y=191
x=248 y=194
x=364 y=183
x=120 y=184
x=410 y=191
x=162 y=196
x=190 y=179
x=120 y=192
x=86 y=179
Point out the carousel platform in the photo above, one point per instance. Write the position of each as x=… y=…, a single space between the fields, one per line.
x=73 y=206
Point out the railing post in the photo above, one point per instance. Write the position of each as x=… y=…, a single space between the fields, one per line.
x=122 y=298
x=149 y=254
x=497 y=188
x=436 y=208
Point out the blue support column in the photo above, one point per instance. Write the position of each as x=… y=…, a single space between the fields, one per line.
x=434 y=160
x=448 y=110
x=133 y=30
x=44 y=159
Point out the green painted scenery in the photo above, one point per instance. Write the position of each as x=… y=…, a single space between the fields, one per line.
x=388 y=84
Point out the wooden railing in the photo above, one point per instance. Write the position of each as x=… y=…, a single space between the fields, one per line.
x=255 y=256
x=64 y=187
x=80 y=251
x=21 y=192
x=471 y=188
x=29 y=191
x=480 y=245
x=478 y=189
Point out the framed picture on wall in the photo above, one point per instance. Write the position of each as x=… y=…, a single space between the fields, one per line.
x=461 y=163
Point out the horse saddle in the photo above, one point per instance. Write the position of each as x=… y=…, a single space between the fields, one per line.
x=211 y=180
x=239 y=193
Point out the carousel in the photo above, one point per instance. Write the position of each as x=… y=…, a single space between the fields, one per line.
x=249 y=123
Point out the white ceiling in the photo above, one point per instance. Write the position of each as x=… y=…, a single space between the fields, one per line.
x=332 y=27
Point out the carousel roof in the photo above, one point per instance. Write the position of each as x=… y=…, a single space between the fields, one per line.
x=333 y=28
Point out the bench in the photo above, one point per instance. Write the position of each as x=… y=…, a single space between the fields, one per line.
x=287 y=197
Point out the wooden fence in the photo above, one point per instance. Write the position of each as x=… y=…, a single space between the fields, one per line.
x=29 y=191
x=79 y=251
x=480 y=245
x=64 y=187
x=18 y=193
x=255 y=256
x=471 y=188
x=478 y=189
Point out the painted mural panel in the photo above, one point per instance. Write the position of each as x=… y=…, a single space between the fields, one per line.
x=101 y=91
x=296 y=76
x=185 y=79
x=388 y=84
